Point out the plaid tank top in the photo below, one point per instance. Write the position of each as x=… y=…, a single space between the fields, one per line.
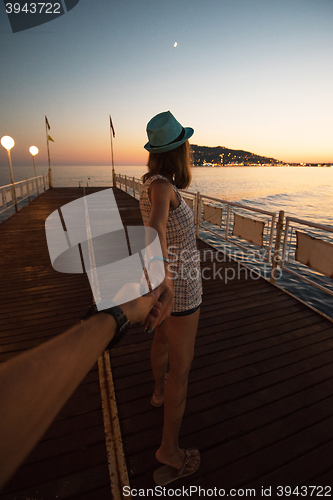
x=182 y=249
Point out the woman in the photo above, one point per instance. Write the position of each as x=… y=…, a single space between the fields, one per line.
x=163 y=209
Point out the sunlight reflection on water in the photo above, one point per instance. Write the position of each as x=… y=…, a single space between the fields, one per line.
x=305 y=192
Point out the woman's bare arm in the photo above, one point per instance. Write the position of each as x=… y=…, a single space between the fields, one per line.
x=162 y=196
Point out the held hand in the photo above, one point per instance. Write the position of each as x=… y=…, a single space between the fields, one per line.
x=143 y=308
x=166 y=301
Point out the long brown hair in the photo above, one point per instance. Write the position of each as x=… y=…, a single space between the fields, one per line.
x=174 y=165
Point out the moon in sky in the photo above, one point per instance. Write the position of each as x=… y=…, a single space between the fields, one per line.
x=175 y=44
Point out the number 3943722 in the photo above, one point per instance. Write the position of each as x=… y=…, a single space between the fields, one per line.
x=33 y=8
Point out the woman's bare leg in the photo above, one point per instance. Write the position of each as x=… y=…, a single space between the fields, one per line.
x=159 y=357
x=181 y=332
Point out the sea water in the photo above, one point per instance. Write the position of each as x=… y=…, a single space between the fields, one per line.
x=302 y=192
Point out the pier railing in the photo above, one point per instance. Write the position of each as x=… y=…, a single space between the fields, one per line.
x=259 y=233
x=248 y=228
x=12 y=195
x=309 y=246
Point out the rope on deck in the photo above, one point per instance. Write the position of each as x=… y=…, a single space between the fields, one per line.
x=114 y=445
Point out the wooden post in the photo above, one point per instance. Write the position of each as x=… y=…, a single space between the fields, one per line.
x=276 y=254
x=125 y=183
x=134 y=186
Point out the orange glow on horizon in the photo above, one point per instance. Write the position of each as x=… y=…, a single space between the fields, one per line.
x=89 y=144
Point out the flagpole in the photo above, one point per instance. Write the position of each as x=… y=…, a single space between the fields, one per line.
x=48 y=153
x=113 y=171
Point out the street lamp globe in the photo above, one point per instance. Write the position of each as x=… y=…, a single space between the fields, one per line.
x=33 y=150
x=7 y=142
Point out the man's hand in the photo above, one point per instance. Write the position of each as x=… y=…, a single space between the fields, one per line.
x=145 y=308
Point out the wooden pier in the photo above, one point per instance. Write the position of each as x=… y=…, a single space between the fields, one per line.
x=260 y=398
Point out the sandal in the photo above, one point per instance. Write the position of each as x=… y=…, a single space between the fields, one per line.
x=167 y=474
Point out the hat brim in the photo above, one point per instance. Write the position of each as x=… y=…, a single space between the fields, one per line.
x=169 y=147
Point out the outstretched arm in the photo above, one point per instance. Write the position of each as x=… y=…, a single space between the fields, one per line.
x=36 y=384
x=161 y=196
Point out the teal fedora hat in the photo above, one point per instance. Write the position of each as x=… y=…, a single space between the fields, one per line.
x=165 y=133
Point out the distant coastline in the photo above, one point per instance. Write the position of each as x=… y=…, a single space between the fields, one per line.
x=221 y=156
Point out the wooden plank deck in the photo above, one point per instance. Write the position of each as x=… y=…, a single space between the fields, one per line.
x=260 y=399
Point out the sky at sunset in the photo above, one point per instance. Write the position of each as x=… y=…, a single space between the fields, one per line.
x=246 y=74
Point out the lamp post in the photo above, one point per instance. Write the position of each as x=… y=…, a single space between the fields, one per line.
x=33 y=150
x=7 y=142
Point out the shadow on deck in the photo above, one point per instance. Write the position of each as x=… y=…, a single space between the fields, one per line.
x=260 y=398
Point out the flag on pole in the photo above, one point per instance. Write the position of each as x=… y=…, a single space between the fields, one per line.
x=111 y=125
x=48 y=138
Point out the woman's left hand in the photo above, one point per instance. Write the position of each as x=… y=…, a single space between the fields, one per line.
x=166 y=301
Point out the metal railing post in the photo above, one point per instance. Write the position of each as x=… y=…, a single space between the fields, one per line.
x=33 y=157
x=198 y=214
x=285 y=241
x=4 y=199
x=227 y=222
x=14 y=196
x=12 y=179
x=276 y=254
x=28 y=190
x=269 y=253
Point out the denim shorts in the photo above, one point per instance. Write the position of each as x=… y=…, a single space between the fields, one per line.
x=186 y=313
